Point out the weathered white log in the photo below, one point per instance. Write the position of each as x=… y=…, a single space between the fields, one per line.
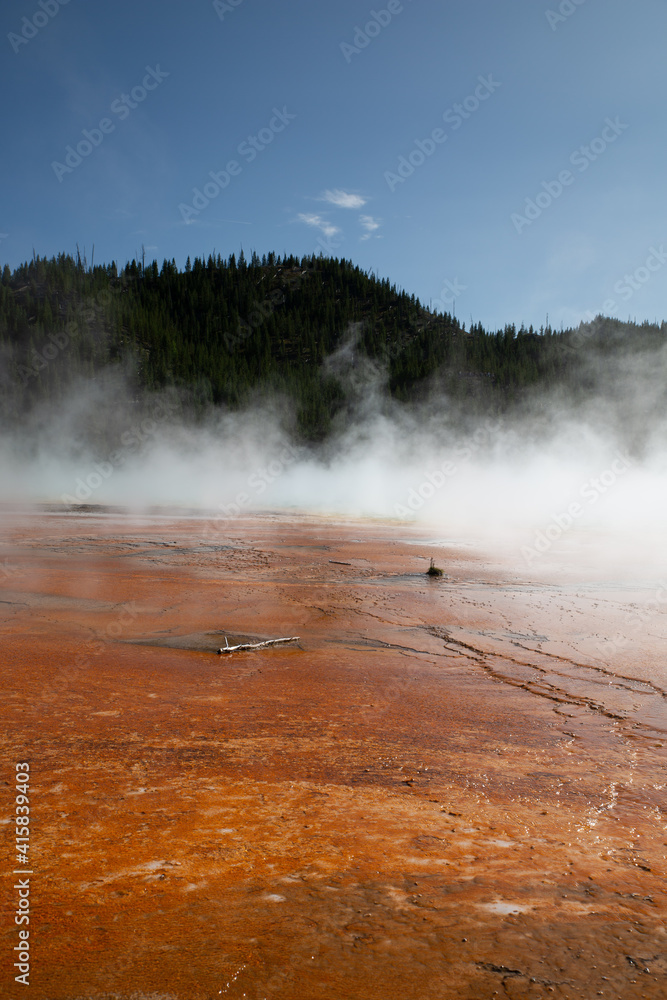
x=255 y=645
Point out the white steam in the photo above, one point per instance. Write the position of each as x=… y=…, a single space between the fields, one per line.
x=594 y=463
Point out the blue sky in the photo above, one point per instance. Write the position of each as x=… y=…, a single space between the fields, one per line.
x=332 y=111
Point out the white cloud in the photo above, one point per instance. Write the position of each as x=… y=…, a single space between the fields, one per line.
x=343 y=199
x=316 y=220
x=369 y=224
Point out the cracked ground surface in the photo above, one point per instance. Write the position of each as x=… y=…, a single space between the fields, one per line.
x=446 y=789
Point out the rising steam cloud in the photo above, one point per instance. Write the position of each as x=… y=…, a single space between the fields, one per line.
x=590 y=458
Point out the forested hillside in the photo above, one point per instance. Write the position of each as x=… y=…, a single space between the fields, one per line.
x=220 y=329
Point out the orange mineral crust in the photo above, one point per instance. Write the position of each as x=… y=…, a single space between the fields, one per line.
x=449 y=787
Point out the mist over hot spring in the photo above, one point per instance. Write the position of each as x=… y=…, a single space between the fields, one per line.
x=588 y=456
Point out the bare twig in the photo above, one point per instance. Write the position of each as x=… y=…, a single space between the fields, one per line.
x=255 y=645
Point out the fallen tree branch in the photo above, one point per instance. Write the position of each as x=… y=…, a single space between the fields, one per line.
x=255 y=645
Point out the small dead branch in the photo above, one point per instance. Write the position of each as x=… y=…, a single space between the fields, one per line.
x=255 y=645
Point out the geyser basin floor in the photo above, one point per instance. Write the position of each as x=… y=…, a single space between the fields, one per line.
x=444 y=792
